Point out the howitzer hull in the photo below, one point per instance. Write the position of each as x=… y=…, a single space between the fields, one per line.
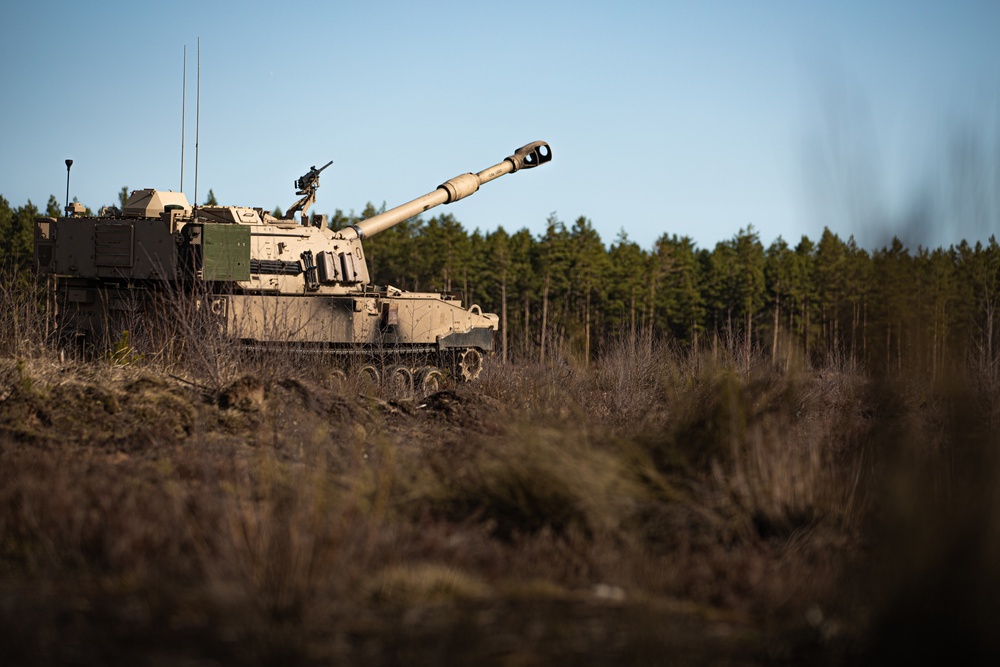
x=381 y=329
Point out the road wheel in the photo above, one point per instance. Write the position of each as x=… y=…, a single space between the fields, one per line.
x=399 y=379
x=369 y=377
x=429 y=380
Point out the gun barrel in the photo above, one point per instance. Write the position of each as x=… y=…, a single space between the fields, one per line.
x=526 y=157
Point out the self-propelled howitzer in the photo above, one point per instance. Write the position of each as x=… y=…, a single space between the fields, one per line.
x=265 y=281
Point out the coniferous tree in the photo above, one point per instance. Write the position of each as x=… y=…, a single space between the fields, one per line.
x=477 y=287
x=6 y=234
x=779 y=271
x=831 y=261
x=20 y=237
x=895 y=281
x=749 y=284
x=52 y=209
x=678 y=283
x=859 y=289
x=628 y=275
x=444 y=248
x=551 y=261
x=981 y=273
x=804 y=290
x=588 y=268
x=525 y=283
x=498 y=244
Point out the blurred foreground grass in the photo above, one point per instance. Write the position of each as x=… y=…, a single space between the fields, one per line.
x=656 y=508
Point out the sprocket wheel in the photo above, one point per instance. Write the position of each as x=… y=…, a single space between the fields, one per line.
x=470 y=364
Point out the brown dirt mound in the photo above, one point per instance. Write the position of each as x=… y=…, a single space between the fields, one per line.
x=465 y=409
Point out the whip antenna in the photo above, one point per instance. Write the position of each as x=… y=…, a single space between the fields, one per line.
x=197 y=127
x=183 y=110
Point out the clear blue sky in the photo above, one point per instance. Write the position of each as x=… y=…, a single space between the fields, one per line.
x=688 y=118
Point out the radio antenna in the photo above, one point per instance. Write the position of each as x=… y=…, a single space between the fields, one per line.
x=183 y=110
x=197 y=127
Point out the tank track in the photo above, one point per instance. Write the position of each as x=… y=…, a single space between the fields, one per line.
x=419 y=367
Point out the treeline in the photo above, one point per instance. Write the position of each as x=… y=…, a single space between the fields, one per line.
x=564 y=292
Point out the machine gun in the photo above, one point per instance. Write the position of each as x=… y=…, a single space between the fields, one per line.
x=306 y=187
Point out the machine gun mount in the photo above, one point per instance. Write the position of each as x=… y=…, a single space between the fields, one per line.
x=306 y=186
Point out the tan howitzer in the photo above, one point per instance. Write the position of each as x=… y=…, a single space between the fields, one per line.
x=526 y=157
x=268 y=283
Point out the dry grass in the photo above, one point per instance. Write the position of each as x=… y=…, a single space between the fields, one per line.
x=656 y=505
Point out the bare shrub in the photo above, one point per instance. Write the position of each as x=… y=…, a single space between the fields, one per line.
x=553 y=390
x=279 y=536
x=199 y=342
x=539 y=479
x=785 y=450
x=25 y=321
x=62 y=512
x=782 y=480
x=627 y=380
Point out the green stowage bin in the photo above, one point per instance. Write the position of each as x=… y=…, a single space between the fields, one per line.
x=225 y=252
